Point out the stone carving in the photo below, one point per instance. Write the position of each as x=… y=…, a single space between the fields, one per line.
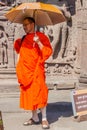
x=66 y=60
x=58 y=34
x=3 y=48
x=65 y=50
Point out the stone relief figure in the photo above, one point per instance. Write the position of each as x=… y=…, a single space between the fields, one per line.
x=58 y=35
x=3 y=48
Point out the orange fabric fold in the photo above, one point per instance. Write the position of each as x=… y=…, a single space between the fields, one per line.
x=30 y=72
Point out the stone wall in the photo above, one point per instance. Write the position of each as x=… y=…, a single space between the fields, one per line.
x=68 y=40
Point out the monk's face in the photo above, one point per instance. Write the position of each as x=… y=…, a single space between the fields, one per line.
x=28 y=26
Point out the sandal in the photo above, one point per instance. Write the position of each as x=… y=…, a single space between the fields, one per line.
x=45 y=124
x=31 y=122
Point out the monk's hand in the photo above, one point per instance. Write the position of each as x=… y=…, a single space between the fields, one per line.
x=37 y=40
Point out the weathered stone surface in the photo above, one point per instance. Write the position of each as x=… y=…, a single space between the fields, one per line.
x=68 y=40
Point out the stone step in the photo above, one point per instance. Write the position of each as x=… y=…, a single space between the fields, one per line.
x=7 y=73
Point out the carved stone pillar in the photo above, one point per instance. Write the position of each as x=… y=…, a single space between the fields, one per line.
x=83 y=41
x=11 y=54
x=11 y=63
x=84 y=50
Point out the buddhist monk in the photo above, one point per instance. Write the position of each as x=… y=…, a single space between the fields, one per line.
x=33 y=50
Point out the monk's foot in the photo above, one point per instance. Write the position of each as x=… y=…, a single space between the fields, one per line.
x=31 y=122
x=45 y=124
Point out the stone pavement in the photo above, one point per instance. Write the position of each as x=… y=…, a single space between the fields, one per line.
x=59 y=110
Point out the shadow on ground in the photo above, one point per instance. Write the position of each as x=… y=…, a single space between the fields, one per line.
x=59 y=109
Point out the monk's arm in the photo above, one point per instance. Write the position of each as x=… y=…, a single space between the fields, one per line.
x=17 y=45
x=45 y=47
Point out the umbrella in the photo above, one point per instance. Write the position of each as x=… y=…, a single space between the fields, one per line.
x=44 y=14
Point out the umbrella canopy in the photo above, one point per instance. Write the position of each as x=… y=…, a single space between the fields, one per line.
x=44 y=14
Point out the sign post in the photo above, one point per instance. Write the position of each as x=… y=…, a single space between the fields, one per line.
x=79 y=103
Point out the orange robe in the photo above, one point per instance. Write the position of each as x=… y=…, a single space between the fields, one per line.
x=30 y=71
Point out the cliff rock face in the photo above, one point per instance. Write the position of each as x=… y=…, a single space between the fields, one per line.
x=68 y=39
